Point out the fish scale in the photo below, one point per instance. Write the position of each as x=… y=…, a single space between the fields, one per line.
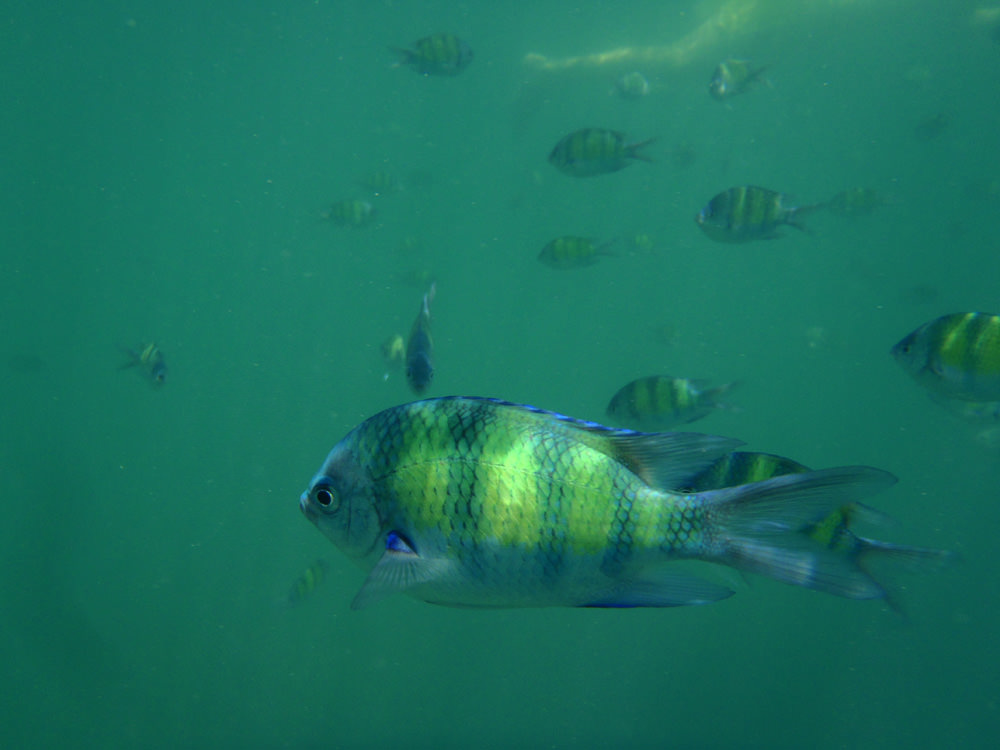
x=480 y=502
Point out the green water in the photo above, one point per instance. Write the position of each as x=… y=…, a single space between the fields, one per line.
x=165 y=167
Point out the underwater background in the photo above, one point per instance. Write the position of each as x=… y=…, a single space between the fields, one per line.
x=168 y=171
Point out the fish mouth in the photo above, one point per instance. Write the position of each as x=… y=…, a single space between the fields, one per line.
x=304 y=504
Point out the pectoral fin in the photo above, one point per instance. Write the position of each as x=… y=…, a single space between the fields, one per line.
x=399 y=569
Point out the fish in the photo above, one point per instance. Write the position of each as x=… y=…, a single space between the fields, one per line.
x=420 y=347
x=661 y=402
x=856 y=201
x=380 y=182
x=351 y=213
x=956 y=356
x=149 y=361
x=631 y=85
x=595 y=151
x=438 y=55
x=394 y=351
x=879 y=560
x=747 y=213
x=479 y=502
x=734 y=76
x=981 y=412
x=307 y=583
x=573 y=252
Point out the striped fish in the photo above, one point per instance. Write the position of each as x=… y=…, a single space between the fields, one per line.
x=595 y=151
x=478 y=502
x=437 y=54
x=955 y=356
x=747 y=213
x=660 y=402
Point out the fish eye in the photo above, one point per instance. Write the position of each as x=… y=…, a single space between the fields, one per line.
x=325 y=497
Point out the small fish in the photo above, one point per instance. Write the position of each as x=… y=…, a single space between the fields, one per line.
x=351 y=213
x=595 y=151
x=474 y=502
x=747 y=213
x=420 y=347
x=380 y=183
x=148 y=360
x=856 y=201
x=932 y=127
x=394 y=351
x=307 y=583
x=660 y=402
x=437 y=55
x=572 y=252
x=955 y=356
x=732 y=77
x=632 y=85
x=879 y=560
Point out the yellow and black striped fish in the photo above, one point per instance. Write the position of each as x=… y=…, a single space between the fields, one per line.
x=734 y=76
x=438 y=55
x=955 y=356
x=595 y=151
x=660 y=402
x=351 y=213
x=307 y=583
x=148 y=360
x=477 y=502
x=572 y=252
x=747 y=213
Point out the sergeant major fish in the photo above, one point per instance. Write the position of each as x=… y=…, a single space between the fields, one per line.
x=351 y=213
x=660 y=402
x=438 y=54
x=477 y=502
x=747 y=213
x=732 y=77
x=955 y=356
x=595 y=151
x=573 y=252
x=307 y=583
x=420 y=347
x=148 y=360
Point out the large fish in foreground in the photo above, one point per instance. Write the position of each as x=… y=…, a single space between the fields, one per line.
x=482 y=503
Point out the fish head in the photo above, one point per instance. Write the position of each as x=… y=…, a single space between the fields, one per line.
x=719 y=87
x=341 y=503
x=913 y=353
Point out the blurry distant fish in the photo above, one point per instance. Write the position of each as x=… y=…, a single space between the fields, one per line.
x=25 y=363
x=307 y=583
x=573 y=252
x=148 y=360
x=877 y=559
x=595 y=151
x=955 y=356
x=747 y=213
x=351 y=213
x=632 y=85
x=856 y=201
x=380 y=183
x=420 y=347
x=438 y=54
x=932 y=126
x=732 y=77
x=394 y=351
x=977 y=412
x=660 y=402
x=476 y=502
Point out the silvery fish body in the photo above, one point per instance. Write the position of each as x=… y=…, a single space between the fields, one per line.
x=955 y=356
x=482 y=503
x=732 y=77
